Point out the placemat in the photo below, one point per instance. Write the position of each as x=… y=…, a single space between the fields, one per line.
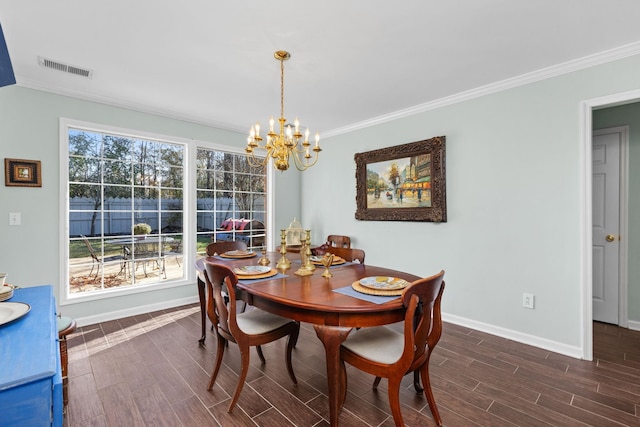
x=380 y=292
x=349 y=291
x=268 y=274
x=246 y=281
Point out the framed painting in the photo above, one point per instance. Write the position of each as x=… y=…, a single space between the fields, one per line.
x=402 y=183
x=22 y=173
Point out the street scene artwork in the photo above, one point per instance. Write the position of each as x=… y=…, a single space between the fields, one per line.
x=404 y=182
x=400 y=183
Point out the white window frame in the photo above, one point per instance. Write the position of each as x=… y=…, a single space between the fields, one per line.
x=189 y=208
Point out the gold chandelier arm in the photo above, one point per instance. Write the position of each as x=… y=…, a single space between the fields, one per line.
x=302 y=165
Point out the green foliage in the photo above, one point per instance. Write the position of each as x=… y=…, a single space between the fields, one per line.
x=141 y=228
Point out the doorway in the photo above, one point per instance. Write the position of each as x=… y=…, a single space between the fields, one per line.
x=609 y=215
x=586 y=217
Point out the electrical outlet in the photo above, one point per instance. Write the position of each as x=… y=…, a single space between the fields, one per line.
x=528 y=300
x=15 y=218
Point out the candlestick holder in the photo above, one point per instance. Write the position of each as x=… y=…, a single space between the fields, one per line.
x=283 y=262
x=306 y=261
x=304 y=270
x=264 y=260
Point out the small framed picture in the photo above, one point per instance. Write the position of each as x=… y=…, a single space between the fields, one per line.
x=22 y=173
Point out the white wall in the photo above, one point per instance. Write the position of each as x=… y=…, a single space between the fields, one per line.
x=513 y=197
x=29 y=129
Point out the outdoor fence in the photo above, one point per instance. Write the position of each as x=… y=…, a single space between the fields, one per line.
x=117 y=216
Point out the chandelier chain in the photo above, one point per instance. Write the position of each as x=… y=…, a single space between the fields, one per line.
x=281 y=87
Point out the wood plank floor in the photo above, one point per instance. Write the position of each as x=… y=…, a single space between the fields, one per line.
x=149 y=370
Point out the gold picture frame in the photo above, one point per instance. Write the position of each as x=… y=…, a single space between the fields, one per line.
x=22 y=173
x=402 y=183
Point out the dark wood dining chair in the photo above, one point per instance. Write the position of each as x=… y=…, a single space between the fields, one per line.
x=251 y=328
x=225 y=246
x=348 y=254
x=339 y=241
x=222 y=246
x=385 y=353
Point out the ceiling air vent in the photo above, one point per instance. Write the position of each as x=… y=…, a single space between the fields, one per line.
x=55 y=65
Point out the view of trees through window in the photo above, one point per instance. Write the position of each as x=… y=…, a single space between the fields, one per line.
x=231 y=198
x=127 y=215
x=125 y=211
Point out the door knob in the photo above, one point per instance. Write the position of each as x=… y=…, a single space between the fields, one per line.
x=610 y=237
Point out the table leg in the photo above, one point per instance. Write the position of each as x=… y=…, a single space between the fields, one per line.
x=332 y=337
x=203 y=316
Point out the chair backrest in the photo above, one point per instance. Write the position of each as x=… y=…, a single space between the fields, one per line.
x=336 y=240
x=225 y=246
x=348 y=254
x=90 y=248
x=222 y=316
x=423 y=320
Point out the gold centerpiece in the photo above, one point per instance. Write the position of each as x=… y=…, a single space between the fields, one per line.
x=326 y=261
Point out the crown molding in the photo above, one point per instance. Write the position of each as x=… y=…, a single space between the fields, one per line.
x=524 y=79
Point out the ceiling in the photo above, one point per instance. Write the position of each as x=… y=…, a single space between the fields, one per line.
x=353 y=62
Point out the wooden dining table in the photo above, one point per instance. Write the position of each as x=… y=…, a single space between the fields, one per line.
x=323 y=302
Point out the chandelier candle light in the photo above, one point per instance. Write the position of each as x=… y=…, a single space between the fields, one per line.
x=287 y=143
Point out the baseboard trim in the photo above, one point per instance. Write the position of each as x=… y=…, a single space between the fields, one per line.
x=634 y=325
x=134 y=311
x=557 y=347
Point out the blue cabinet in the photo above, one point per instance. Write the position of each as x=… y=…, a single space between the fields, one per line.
x=30 y=377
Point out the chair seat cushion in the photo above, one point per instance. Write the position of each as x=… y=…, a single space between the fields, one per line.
x=255 y=321
x=65 y=325
x=379 y=344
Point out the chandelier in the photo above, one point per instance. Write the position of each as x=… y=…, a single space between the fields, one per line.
x=287 y=142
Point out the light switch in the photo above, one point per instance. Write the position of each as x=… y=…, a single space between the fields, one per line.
x=15 y=218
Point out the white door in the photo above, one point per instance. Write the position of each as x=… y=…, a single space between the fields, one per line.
x=606 y=224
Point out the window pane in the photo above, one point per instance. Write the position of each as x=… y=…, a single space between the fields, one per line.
x=172 y=154
x=171 y=222
x=81 y=194
x=85 y=223
x=145 y=174
x=116 y=191
x=235 y=210
x=146 y=198
x=117 y=183
x=86 y=144
x=171 y=199
x=83 y=169
x=171 y=177
x=117 y=147
x=117 y=172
